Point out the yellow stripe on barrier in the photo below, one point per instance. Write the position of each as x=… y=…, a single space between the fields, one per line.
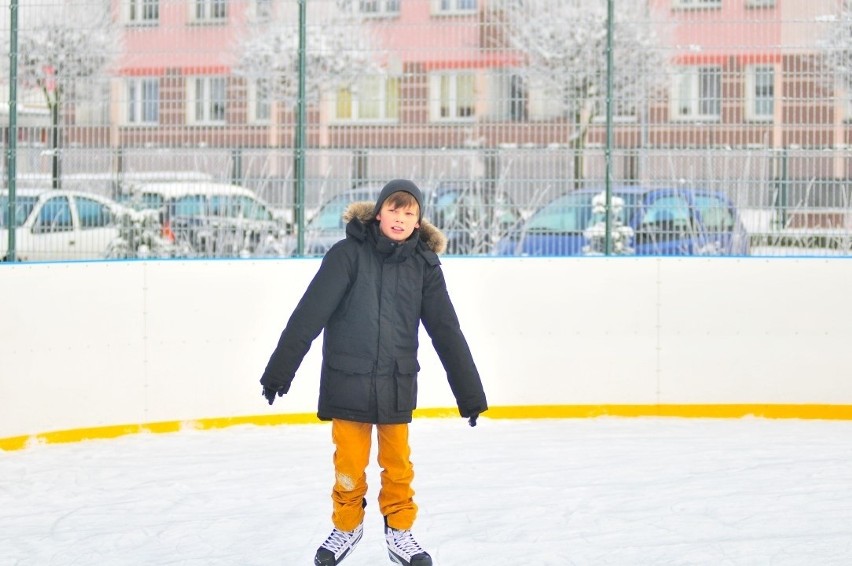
x=769 y=411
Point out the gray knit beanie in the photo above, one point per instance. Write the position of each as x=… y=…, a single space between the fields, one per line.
x=399 y=185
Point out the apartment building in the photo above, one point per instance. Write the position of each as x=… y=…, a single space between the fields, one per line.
x=744 y=74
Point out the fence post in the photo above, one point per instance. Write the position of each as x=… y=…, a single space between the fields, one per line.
x=12 y=143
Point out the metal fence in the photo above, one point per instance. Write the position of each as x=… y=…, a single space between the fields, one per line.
x=501 y=106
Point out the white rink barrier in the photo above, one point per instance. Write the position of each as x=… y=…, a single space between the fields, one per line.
x=106 y=348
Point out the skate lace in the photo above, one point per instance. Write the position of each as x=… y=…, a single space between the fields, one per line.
x=404 y=540
x=337 y=540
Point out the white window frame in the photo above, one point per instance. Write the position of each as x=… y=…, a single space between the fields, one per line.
x=686 y=93
x=135 y=112
x=378 y=8
x=454 y=7
x=449 y=108
x=201 y=101
x=753 y=98
x=381 y=92
x=260 y=106
x=141 y=12
x=846 y=101
x=208 y=11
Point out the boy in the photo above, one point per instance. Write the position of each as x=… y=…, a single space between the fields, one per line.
x=372 y=291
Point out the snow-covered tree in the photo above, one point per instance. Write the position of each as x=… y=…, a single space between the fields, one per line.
x=837 y=45
x=563 y=44
x=61 y=46
x=338 y=52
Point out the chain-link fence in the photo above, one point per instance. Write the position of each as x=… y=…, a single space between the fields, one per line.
x=220 y=127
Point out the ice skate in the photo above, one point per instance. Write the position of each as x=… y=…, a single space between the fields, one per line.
x=338 y=546
x=403 y=549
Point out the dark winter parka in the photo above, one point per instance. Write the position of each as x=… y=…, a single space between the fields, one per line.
x=370 y=295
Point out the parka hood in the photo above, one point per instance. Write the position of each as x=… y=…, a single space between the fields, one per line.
x=430 y=235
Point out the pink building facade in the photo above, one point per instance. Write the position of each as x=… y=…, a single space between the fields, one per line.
x=744 y=75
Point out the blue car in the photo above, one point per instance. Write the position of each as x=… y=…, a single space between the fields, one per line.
x=646 y=221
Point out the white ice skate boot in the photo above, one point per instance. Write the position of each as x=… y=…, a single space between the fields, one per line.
x=403 y=549
x=338 y=546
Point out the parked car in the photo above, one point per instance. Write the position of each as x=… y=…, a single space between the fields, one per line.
x=471 y=217
x=646 y=221
x=208 y=219
x=61 y=225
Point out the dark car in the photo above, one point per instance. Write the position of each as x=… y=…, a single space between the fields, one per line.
x=646 y=221
x=208 y=219
x=471 y=217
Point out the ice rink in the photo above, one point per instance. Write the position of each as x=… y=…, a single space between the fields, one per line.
x=604 y=491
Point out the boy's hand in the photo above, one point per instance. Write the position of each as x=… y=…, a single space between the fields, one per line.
x=270 y=392
x=471 y=420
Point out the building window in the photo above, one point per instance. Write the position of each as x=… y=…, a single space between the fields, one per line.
x=92 y=103
x=848 y=103
x=453 y=6
x=263 y=10
x=697 y=93
x=379 y=7
x=507 y=96
x=206 y=100
x=143 y=101
x=696 y=4
x=141 y=11
x=760 y=3
x=372 y=98
x=452 y=96
x=260 y=101
x=760 y=92
x=209 y=10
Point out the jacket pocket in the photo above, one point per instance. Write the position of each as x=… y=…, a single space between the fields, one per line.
x=405 y=379
x=346 y=381
x=349 y=364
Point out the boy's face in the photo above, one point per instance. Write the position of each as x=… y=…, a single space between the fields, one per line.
x=398 y=223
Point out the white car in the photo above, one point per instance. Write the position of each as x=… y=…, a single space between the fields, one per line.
x=55 y=225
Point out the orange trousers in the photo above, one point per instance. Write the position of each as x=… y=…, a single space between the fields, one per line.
x=352 y=443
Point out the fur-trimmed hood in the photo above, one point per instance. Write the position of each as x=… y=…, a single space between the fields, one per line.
x=430 y=235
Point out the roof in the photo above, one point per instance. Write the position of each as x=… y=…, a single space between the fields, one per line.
x=39 y=191
x=181 y=189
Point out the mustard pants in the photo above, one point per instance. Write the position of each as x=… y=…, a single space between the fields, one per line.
x=352 y=454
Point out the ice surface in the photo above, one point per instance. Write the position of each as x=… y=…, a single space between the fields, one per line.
x=594 y=492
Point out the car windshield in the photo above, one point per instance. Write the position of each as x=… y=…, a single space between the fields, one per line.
x=715 y=214
x=23 y=207
x=623 y=205
x=459 y=209
x=569 y=213
x=330 y=216
x=193 y=205
x=666 y=213
x=142 y=201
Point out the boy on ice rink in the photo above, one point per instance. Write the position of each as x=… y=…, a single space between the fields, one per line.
x=370 y=294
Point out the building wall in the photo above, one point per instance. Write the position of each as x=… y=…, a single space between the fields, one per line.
x=418 y=42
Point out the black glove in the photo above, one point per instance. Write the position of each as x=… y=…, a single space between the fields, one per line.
x=269 y=393
x=472 y=419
